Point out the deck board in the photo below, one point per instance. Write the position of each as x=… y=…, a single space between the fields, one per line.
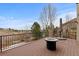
x=67 y=47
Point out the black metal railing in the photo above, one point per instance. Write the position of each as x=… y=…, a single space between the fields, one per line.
x=8 y=40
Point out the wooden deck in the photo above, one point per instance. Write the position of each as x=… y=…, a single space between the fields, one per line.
x=69 y=47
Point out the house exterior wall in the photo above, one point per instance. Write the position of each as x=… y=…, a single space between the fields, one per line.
x=69 y=29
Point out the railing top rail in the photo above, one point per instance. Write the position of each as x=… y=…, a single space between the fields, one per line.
x=15 y=34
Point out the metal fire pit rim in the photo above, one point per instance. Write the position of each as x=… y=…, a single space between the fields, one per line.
x=51 y=39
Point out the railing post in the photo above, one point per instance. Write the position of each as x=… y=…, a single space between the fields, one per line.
x=1 y=43
x=75 y=35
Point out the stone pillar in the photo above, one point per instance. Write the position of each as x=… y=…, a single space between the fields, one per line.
x=77 y=21
x=61 y=30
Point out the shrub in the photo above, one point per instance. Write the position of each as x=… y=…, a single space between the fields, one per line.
x=36 y=30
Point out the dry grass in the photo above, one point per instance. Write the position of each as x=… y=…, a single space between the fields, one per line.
x=8 y=32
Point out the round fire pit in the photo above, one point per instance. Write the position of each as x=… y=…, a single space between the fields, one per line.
x=51 y=43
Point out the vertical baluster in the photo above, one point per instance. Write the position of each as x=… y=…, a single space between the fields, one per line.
x=1 y=43
x=6 y=42
x=18 y=38
x=9 y=41
x=3 y=40
x=12 y=39
x=23 y=38
x=75 y=35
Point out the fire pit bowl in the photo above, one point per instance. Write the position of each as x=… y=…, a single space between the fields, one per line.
x=51 y=43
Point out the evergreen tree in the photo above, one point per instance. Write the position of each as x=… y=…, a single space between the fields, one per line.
x=36 y=30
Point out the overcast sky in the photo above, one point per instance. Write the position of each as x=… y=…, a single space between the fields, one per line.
x=22 y=16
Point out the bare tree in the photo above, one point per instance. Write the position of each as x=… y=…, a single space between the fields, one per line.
x=44 y=18
x=48 y=16
x=67 y=17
